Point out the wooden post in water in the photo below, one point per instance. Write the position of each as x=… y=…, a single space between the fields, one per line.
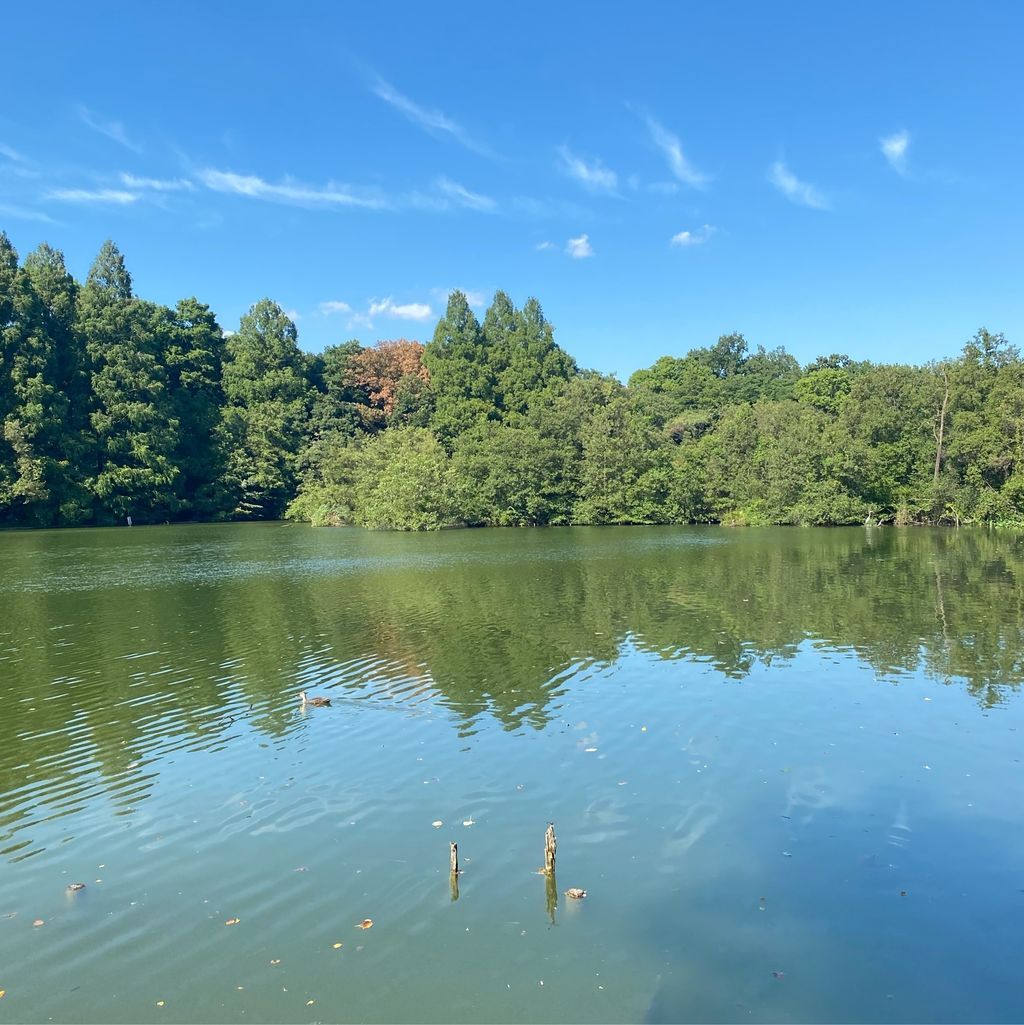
x=454 y=880
x=549 y=850
x=548 y=871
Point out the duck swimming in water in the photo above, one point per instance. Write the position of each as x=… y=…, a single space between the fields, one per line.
x=316 y=702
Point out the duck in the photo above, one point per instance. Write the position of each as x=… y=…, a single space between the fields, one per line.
x=316 y=702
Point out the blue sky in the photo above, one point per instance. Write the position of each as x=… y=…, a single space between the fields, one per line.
x=831 y=178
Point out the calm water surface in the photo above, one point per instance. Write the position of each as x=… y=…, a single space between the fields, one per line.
x=785 y=765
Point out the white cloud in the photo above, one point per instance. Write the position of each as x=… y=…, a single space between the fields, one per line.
x=11 y=154
x=795 y=190
x=24 y=214
x=432 y=121
x=693 y=238
x=359 y=320
x=594 y=176
x=334 y=306
x=111 y=129
x=406 y=311
x=288 y=191
x=579 y=248
x=541 y=246
x=292 y=315
x=894 y=149
x=461 y=195
x=117 y=196
x=475 y=299
x=156 y=184
x=670 y=145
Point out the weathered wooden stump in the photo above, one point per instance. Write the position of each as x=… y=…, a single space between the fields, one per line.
x=454 y=878
x=549 y=850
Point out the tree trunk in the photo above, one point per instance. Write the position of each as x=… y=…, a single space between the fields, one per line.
x=942 y=426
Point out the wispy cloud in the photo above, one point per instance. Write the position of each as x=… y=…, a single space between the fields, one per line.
x=292 y=315
x=359 y=320
x=464 y=197
x=111 y=129
x=579 y=248
x=156 y=184
x=433 y=121
x=894 y=149
x=11 y=154
x=24 y=214
x=796 y=191
x=593 y=176
x=289 y=191
x=541 y=246
x=407 y=311
x=671 y=147
x=117 y=196
x=475 y=299
x=334 y=306
x=692 y=238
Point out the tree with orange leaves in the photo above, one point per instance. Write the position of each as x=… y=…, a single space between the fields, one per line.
x=380 y=370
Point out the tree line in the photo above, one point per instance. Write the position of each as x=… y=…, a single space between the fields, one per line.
x=113 y=406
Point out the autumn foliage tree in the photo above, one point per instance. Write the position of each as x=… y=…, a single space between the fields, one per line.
x=384 y=372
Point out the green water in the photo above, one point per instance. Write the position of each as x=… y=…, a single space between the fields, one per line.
x=785 y=765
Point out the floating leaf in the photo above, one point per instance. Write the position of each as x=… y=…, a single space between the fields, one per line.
x=232 y=921
x=437 y=823
x=366 y=923
x=575 y=893
x=3 y=993
x=778 y=975
x=75 y=887
x=38 y=922
x=338 y=946
x=275 y=960
x=469 y=822
x=159 y=1003
x=310 y=1003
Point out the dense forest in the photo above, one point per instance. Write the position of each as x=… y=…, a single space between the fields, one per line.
x=113 y=406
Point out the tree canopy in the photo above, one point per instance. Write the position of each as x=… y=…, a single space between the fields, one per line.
x=114 y=406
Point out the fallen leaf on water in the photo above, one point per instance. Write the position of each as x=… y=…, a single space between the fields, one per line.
x=338 y=946
x=159 y=1003
x=778 y=975
x=232 y=921
x=38 y=922
x=75 y=887
x=575 y=893
x=469 y=822
x=275 y=960
x=437 y=823
x=310 y=1003
x=366 y=923
x=903 y=893
x=2 y=993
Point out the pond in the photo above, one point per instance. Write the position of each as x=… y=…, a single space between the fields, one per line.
x=784 y=764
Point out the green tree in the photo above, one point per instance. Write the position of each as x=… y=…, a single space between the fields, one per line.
x=264 y=422
x=461 y=375
x=133 y=419
x=193 y=358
